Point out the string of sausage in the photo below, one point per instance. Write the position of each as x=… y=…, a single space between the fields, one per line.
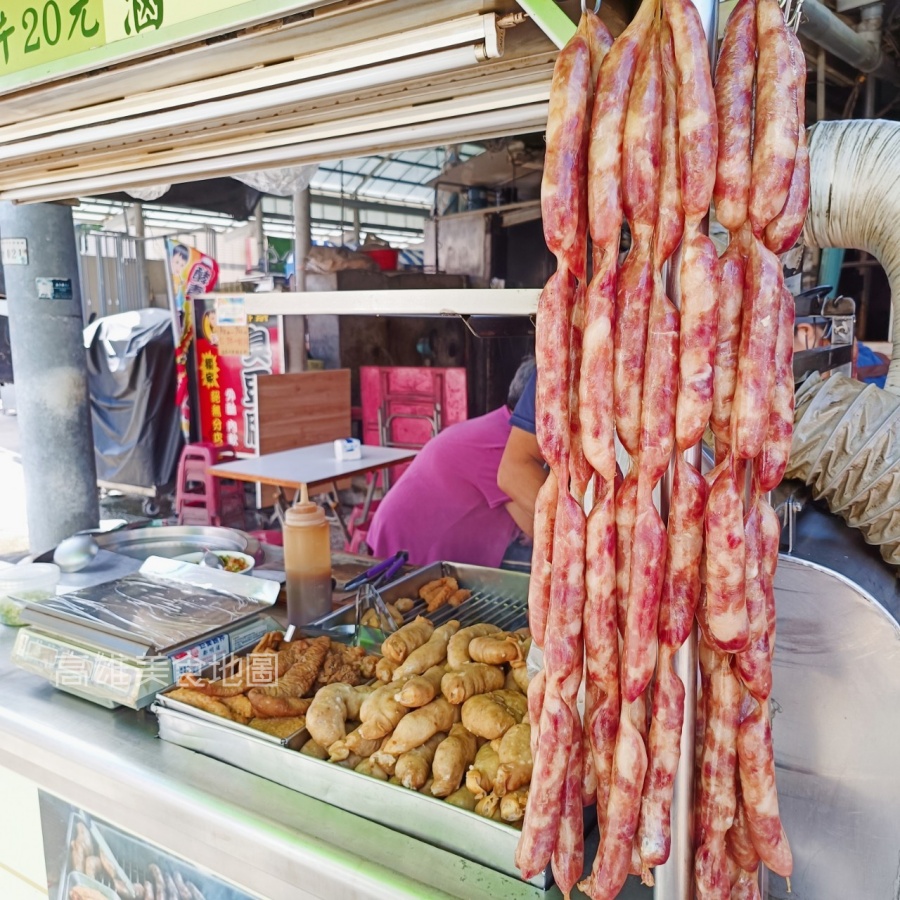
x=752 y=420
x=562 y=194
x=615 y=737
x=681 y=584
x=621 y=332
x=568 y=854
x=601 y=714
x=602 y=701
x=552 y=831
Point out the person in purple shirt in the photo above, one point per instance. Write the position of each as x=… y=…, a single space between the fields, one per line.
x=448 y=505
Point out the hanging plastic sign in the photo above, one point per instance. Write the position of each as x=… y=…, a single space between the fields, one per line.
x=48 y=39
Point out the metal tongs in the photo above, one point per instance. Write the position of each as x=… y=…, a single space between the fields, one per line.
x=381 y=573
x=368 y=596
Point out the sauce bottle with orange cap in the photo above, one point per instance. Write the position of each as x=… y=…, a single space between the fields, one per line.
x=307 y=561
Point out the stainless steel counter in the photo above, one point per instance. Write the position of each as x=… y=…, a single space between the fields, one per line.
x=837 y=680
x=268 y=840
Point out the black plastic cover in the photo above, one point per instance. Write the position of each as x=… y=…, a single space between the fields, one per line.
x=131 y=375
x=6 y=366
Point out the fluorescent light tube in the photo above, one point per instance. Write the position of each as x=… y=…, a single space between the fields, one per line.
x=364 y=65
x=492 y=123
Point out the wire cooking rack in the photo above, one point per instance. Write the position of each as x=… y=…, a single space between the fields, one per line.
x=504 y=603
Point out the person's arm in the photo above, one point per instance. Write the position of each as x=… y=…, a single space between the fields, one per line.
x=520 y=476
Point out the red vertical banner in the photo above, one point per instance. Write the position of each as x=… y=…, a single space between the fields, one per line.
x=192 y=273
x=227 y=384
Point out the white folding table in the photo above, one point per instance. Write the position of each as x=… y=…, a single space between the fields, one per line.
x=316 y=467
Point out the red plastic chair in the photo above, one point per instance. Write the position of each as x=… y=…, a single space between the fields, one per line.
x=200 y=498
x=359 y=528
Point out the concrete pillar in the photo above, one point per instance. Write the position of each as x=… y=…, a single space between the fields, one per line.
x=302 y=237
x=295 y=326
x=259 y=235
x=45 y=323
x=135 y=217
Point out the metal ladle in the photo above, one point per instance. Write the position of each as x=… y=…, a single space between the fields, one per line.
x=76 y=552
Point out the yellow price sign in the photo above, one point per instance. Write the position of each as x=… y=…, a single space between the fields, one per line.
x=36 y=32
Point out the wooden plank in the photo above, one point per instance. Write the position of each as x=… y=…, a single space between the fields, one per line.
x=300 y=410
x=303 y=409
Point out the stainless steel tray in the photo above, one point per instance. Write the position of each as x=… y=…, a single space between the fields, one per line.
x=176 y=540
x=483 y=841
x=498 y=597
x=293 y=741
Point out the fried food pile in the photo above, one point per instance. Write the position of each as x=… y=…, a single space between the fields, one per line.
x=272 y=687
x=447 y=716
x=443 y=590
x=440 y=592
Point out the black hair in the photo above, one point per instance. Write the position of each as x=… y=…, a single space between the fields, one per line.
x=519 y=381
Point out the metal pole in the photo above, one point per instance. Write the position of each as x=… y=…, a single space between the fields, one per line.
x=102 y=299
x=262 y=255
x=302 y=243
x=140 y=255
x=675 y=878
x=45 y=324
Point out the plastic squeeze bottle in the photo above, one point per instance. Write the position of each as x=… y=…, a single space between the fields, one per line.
x=307 y=561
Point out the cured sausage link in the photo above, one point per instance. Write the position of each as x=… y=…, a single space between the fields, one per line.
x=753 y=665
x=613 y=858
x=699 y=335
x=563 y=185
x=640 y=202
x=664 y=752
x=735 y=71
x=670 y=221
x=681 y=586
x=596 y=408
x=782 y=232
x=626 y=514
x=601 y=642
x=698 y=130
x=579 y=467
x=634 y=294
x=771 y=537
x=568 y=854
x=757 y=767
x=645 y=588
x=726 y=620
x=552 y=357
x=608 y=130
x=542 y=558
x=717 y=800
x=660 y=386
x=776 y=449
x=563 y=669
x=732 y=270
x=756 y=365
x=776 y=129
x=738 y=842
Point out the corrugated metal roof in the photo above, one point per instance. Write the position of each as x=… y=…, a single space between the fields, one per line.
x=395 y=178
